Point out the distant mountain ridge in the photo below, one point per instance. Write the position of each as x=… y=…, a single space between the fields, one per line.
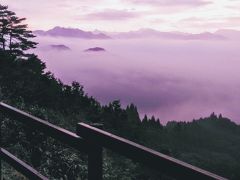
x=71 y=32
x=137 y=34
x=95 y=49
x=151 y=33
x=230 y=33
x=60 y=47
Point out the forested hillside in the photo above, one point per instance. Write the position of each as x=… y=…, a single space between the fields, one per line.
x=212 y=143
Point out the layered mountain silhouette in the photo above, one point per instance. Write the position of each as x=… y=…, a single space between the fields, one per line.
x=95 y=49
x=71 y=32
x=151 y=33
x=59 y=47
x=232 y=34
x=141 y=33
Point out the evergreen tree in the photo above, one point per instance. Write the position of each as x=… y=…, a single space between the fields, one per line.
x=14 y=36
x=145 y=120
x=133 y=116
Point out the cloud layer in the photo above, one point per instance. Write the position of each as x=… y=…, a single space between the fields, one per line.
x=111 y=14
x=171 y=2
x=171 y=79
x=126 y=15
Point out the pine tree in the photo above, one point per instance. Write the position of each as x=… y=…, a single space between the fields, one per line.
x=14 y=36
x=145 y=120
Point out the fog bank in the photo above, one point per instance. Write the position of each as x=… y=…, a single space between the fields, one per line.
x=171 y=79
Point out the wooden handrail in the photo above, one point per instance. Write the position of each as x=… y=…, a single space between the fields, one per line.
x=91 y=140
x=63 y=135
x=21 y=166
x=168 y=165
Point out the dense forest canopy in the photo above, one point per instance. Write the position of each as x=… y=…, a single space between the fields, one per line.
x=212 y=143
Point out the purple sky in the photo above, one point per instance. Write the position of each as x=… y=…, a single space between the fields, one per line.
x=125 y=15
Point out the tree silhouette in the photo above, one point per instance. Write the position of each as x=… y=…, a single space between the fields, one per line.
x=14 y=36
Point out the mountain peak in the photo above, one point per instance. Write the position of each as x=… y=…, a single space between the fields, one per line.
x=95 y=49
x=71 y=32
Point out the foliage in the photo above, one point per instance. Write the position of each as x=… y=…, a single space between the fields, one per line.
x=14 y=36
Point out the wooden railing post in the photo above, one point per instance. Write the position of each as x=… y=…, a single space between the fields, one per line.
x=95 y=159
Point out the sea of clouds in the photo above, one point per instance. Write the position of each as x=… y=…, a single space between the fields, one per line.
x=171 y=79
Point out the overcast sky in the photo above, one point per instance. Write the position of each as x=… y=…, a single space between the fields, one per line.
x=125 y=15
